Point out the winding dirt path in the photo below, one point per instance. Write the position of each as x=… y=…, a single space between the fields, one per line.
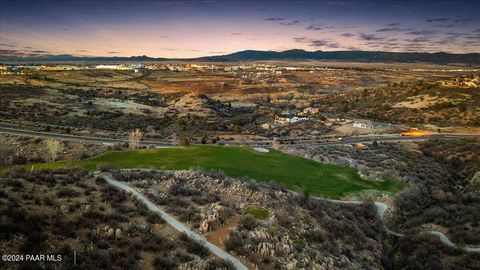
x=176 y=224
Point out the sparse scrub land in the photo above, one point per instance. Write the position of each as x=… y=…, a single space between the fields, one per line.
x=71 y=211
x=161 y=103
x=417 y=103
x=298 y=233
x=238 y=197
x=261 y=242
x=439 y=174
x=17 y=150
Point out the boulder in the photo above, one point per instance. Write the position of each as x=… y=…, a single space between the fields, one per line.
x=204 y=226
x=265 y=249
x=291 y=265
x=118 y=233
x=110 y=232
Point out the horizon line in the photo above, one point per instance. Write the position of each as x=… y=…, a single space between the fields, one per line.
x=218 y=55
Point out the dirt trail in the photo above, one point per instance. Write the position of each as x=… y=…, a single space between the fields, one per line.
x=217 y=236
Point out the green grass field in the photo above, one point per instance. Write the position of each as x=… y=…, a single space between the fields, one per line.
x=293 y=172
x=257 y=212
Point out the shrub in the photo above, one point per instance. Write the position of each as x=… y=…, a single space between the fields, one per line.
x=182 y=257
x=315 y=236
x=156 y=243
x=248 y=222
x=3 y=194
x=113 y=195
x=183 y=141
x=99 y=180
x=19 y=160
x=218 y=264
x=193 y=246
x=234 y=241
x=5 y=151
x=282 y=217
x=204 y=139
x=164 y=263
x=67 y=192
x=16 y=185
x=178 y=189
x=154 y=218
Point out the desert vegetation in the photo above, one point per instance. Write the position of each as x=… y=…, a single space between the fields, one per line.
x=439 y=174
x=417 y=103
x=18 y=150
x=166 y=105
x=298 y=233
x=134 y=138
x=260 y=206
x=209 y=201
x=52 y=149
x=72 y=211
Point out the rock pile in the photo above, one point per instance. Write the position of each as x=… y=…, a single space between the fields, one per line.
x=210 y=217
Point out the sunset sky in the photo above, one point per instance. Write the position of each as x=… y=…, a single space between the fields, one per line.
x=200 y=28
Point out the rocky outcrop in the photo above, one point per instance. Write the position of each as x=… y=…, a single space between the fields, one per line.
x=265 y=249
x=260 y=234
x=312 y=228
x=210 y=217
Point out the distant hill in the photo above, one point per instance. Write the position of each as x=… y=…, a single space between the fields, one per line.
x=361 y=56
x=252 y=55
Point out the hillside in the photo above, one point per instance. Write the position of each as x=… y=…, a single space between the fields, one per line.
x=434 y=103
x=72 y=211
x=362 y=56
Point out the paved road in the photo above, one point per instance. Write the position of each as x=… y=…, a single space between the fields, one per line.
x=382 y=138
x=265 y=143
x=175 y=223
x=68 y=137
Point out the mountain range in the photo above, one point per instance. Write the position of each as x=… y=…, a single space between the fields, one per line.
x=296 y=54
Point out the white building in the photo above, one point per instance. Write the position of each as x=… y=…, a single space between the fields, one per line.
x=106 y=66
x=363 y=124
